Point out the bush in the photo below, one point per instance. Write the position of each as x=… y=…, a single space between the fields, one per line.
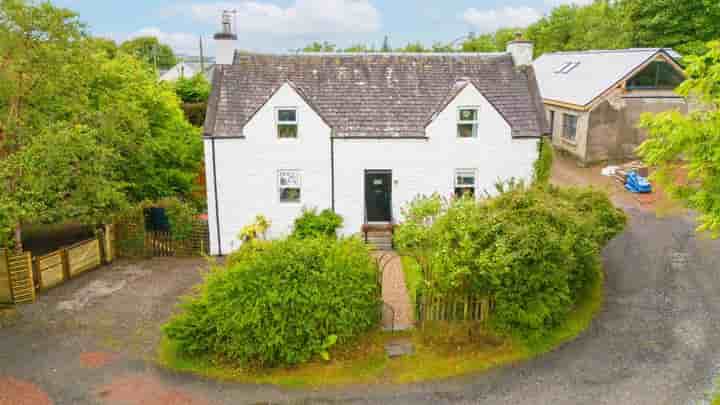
x=532 y=250
x=282 y=303
x=542 y=169
x=312 y=225
x=195 y=113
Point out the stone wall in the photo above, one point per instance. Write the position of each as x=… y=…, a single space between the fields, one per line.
x=613 y=132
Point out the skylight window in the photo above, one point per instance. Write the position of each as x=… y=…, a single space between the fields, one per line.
x=567 y=67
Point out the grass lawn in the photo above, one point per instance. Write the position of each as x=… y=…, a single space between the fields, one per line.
x=437 y=355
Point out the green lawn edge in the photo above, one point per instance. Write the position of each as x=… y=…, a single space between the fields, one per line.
x=375 y=368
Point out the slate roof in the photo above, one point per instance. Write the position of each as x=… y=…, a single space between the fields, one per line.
x=374 y=95
x=596 y=72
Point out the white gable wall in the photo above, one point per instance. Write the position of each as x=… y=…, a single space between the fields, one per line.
x=247 y=171
x=247 y=168
x=428 y=166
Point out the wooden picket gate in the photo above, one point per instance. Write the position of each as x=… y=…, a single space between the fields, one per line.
x=431 y=307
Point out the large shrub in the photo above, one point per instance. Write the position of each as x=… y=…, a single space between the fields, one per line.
x=534 y=251
x=310 y=224
x=281 y=303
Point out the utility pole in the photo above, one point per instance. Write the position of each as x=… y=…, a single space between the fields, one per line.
x=202 y=57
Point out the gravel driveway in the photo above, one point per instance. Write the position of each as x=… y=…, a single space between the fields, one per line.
x=656 y=341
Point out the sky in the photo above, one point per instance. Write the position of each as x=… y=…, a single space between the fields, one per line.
x=284 y=25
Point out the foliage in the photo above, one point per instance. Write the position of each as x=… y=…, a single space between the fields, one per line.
x=149 y=50
x=257 y=229
x=181 y=215
x=320 y=47
x=542 y=168
x=282 y=306
x=691 y=141
x=195 y=113
x=94 y=128
x=663 y=23
x=194 y=89
x=365 y=362
x=310 y=224
x=599 y=25
x=532 y=250
x=491 y=42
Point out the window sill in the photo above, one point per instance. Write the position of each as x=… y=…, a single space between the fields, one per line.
x=568 y=142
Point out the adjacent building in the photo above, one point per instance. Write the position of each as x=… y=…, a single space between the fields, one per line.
x=594 y=99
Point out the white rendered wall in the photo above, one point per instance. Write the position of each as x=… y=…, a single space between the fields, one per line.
x=428 y=166
x=247 y=168
x=247 y=171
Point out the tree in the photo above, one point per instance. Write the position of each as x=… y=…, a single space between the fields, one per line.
x=665 y=23
x=320 y=47
x=81 y=134
x=495 y=42
x=386 y=45
x=150 y=50
x=691 y=142
x=195 y=89
x=414 y=47
x=600 y=25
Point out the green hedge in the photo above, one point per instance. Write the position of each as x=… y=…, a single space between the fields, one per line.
x=542 y=169
x=533 y=250
x=281 y=303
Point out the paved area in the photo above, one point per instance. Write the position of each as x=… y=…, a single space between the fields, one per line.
x=657 y=340
x=397 y=312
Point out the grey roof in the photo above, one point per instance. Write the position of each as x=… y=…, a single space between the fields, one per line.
x=596 y=72
x=375 y=95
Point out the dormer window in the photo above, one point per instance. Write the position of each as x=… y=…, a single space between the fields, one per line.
x=287 y=123
x=468 y=122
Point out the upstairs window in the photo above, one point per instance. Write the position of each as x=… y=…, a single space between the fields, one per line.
x=289 y=186
x=569 y=127
x=287 y=123
x=468 y=123
x=656 y=75
x=465 y=181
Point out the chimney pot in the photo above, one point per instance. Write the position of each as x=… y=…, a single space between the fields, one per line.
x=521 y=50
x=225 y=41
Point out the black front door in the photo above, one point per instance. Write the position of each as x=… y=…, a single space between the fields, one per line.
x=378 y=196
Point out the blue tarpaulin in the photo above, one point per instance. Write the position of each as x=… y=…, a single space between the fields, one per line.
x=637 y=184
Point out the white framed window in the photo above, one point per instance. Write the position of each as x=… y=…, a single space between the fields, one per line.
x=569 y=127
x=289 y=186
x=465 y=182
x=286 y=119
x=468 y=122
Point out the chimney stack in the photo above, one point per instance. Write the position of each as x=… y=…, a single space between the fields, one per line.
x=225 y=41
x=521 y=50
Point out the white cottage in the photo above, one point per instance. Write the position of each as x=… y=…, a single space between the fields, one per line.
x=363 y=134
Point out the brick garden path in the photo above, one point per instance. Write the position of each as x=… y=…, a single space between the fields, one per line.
x=394 y=293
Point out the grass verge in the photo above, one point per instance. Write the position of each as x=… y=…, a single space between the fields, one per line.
x=441 y=351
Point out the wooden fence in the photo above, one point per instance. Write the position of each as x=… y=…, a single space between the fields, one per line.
x=16 y=274
x=132 y=240
x=432 y=307
x=21 y=275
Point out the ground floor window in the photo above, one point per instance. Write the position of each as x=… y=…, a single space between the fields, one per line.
x=289 y=185
x=569 y=126
x=552 y=123
x=465 y=182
